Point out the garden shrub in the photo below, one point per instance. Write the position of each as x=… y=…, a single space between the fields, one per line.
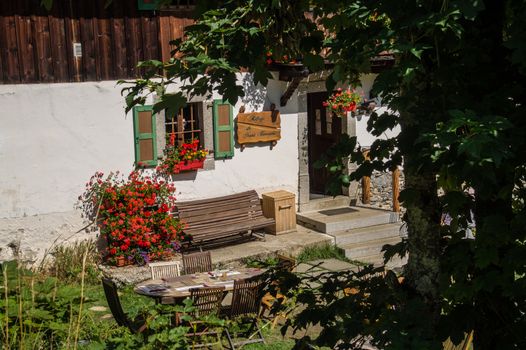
x=65 y=262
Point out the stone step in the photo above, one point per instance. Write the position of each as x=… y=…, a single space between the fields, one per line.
x=369 y=233
x=357 y=251
x=325 y=203
x=345 y=218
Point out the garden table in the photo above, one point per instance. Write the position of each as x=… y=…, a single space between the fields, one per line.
x=173 y=289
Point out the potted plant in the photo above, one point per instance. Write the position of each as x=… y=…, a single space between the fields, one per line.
x=133 y=215
x=342 y=102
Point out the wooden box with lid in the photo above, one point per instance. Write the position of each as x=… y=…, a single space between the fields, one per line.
x=280 y=205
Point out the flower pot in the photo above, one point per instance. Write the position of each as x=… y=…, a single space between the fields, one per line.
x=120 y=261
x=167 y=256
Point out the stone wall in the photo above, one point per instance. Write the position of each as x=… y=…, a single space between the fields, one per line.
x=381 y=190
x=31 y=237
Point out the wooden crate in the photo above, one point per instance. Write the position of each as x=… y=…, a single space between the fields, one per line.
x=280 y=205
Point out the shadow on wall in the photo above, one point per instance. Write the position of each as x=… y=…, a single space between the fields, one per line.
x=255 y=96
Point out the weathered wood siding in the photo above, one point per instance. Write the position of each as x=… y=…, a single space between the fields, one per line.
x=36 y=46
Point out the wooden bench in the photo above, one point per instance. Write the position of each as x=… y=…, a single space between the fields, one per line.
x=219 y=219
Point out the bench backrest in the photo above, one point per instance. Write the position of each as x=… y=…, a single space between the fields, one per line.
x=208 y=214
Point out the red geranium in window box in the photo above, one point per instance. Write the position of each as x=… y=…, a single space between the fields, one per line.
x=186 y=157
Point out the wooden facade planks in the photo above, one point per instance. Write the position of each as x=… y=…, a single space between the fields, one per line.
x=118 y=34
x=38 y=46
x=25 y=42
x=88 y=39
x=72 y=29
x=171 y=26
x=150 y=37
x=59 y=53
x=134 y=43
x=104 y=47
x=8 y=43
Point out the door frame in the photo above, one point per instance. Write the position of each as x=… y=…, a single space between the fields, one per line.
x=348 y=127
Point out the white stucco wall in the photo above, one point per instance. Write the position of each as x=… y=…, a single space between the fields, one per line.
x=364 y=137
x=53 y=137
x=257 y=166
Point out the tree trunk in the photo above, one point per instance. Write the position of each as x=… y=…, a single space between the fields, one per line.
x=422 y=219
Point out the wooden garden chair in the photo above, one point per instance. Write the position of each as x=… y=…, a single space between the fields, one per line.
x=137 y=325
x=207 y=302
x=162 y=269
x=287 y=264
x=246 y=302
x=463 y=345
x=197 y=262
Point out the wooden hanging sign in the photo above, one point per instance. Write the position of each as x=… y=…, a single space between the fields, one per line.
x=258 y=127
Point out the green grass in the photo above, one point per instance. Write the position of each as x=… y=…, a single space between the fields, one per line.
x=274 y=345
x=325 y=251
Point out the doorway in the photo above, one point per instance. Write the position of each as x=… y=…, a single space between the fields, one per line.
x=324 y=130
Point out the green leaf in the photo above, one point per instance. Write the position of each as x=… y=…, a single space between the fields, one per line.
x=416 y=52
x=172 y=101
x=48 y=4
x=338 y=73
x=313 y=62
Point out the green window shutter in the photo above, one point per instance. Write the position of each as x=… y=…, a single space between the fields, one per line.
x=223 y=130
x=144 y=136
x=148 y=4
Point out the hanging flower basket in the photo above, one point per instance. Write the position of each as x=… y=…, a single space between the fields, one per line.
x=342 y=102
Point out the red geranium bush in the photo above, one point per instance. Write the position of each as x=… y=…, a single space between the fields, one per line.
x=133 y=215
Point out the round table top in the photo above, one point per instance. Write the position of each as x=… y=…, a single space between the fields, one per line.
x=179 y=287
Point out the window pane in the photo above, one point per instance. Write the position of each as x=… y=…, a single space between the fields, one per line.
x=318 y=121
x=185 y=124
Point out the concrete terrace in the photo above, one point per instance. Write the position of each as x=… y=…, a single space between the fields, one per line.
x=234 y=255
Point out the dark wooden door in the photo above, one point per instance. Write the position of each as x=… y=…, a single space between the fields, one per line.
x=324 y=131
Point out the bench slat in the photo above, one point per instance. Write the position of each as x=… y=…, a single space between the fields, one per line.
x=222 y=217
x=227 y=224
x=239 y=227
x=241 y=202
x=208 y=201
x=213 y=212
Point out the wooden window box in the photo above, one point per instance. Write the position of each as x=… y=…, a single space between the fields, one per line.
x=189 y=166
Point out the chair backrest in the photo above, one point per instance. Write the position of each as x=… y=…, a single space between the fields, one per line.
x=246 y=298
x=207 y=300
x=286 y=263
x=165 y=269
x=464 y=344
x=197 y=262
x=110 y=289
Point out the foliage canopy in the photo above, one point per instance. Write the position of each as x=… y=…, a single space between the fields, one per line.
x=457 y=91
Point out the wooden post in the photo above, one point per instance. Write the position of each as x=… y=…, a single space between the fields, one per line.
x=396 y=189
x=366 y=184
